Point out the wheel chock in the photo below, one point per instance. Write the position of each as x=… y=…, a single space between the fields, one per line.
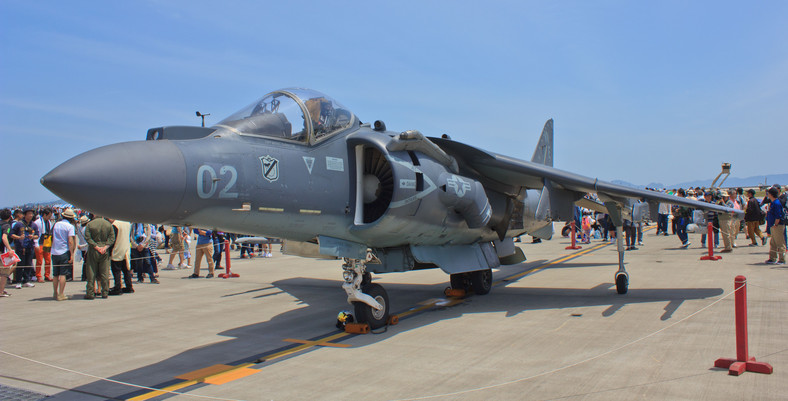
x=393 y=319
x=357 y=328
x=454 y=292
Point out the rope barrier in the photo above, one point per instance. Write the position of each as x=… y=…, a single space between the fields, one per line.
x=115 y=381
x=70 y=264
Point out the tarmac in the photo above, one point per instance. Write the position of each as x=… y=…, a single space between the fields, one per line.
x=552 y=328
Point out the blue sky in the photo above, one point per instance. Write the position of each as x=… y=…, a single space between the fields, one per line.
x=640 y=91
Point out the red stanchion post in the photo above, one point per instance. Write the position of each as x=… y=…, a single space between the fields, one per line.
x=743 y=361
x=710 y=240
x=574 y=237
x=227 y=273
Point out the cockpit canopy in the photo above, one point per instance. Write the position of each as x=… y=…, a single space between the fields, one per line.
x=301 y=115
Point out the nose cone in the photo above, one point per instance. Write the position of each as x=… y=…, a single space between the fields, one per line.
x=134 y=181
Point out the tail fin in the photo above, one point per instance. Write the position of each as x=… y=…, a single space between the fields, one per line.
x=543 y=154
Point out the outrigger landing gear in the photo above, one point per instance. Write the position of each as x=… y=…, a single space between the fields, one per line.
x=622 y=277
x=480 y=281
x=370 y=301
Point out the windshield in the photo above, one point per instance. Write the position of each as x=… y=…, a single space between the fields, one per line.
x=281 y=114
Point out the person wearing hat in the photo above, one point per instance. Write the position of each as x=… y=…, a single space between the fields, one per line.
x=25 y=235
x=726 y=222
x=64 y=244
x=100 y=237
x=753 y=215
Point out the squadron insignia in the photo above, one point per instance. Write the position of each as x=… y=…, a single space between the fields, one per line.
x=270 y=168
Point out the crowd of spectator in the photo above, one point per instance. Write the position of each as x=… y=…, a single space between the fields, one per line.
x=770 y=210
x=46 y=244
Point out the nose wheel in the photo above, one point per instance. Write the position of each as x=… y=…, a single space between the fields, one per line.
x=373 y=317
x=369 y=300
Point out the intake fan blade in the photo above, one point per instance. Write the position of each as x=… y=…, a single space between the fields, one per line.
x=376 y=164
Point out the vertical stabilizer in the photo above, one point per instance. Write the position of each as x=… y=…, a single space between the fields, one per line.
x=543 y=154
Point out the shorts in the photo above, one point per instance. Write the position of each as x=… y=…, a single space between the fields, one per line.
x=176 y=245
x=5 y=271
x=60 y=265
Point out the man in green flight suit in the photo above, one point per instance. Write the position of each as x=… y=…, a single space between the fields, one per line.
x=100 y=237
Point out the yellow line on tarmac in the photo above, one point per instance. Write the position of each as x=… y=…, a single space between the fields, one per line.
x=548 y=264
x=302 y=347
x=165 y=390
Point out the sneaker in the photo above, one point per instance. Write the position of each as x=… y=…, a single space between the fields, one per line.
x=183 y=266
x=268 y=255
x=170 y=267
x=209 y=275
x=753 y=244
x=763 y=241
x=194 y=276
x=29 y=285
x=154 y=281
x=726 y=251
x=687 y=244
x=633 y=249
x=3 y=295
x=18 y=286
x=640 y=243
x=734 y=245
x=89 y=297
x=782 y=262
x=62 y=297
x=771 y=262
x=128 y=290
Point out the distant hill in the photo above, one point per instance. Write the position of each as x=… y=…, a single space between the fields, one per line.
x=36 y=205
x=754 y=181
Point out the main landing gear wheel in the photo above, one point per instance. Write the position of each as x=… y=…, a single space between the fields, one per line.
x=481 y=281
x=459 y=281
x=369 y=315
x=622 y=283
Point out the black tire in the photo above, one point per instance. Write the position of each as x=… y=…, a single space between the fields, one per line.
x=366 y=279
x=459 y=281
x=481 y=281
x=366 y=314
x=622 y=284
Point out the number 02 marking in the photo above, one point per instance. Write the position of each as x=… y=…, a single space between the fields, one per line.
x=213 y=182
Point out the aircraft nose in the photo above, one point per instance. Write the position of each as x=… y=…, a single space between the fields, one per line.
x=140 y=181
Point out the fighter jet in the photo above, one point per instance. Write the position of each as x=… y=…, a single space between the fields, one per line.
x=298 y=165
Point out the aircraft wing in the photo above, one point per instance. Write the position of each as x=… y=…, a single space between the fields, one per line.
x=512 y=171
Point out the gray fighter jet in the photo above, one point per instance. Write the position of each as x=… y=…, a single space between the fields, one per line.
x=299 y=166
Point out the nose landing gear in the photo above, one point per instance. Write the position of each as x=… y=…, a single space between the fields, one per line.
x=370 y=301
